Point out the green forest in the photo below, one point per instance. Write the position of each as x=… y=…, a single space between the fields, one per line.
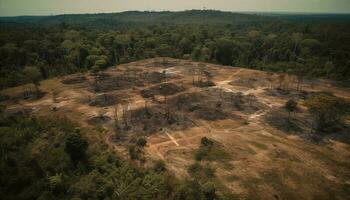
x=64 y=44
x=52 y=157
x=49 y=158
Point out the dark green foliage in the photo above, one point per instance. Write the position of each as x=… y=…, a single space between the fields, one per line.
x=210 y=191
x=327 y=109
x=291 y=107
x=141 y=142
x=159 y=166
x=267 y=43
x=191 y=190
x=201 y=185
x=134 y=152
x=33 y=75
x=204 y=150
x=206 y=142
x=35 y=164
x=209 y=150
x=76 y=147
x=201 y=172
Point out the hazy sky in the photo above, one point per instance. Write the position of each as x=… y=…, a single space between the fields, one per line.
x=47 y=7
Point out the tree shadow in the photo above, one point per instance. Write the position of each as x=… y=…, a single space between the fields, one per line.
x=303 y=125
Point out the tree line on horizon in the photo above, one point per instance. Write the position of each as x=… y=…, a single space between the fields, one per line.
x=305 y=49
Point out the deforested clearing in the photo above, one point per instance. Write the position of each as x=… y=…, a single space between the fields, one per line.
x=258 y=149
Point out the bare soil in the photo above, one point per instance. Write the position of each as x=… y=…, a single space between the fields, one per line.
x=270 y=157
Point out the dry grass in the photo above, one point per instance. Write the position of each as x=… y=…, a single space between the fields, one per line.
x=256 y=159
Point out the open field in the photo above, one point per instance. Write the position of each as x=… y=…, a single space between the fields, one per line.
x=166 y=101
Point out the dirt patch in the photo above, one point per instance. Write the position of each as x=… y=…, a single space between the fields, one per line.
x=249 y=123
x=154 y=77
x=211 y=114
x=205 y=84
x=162 y=89
x=250 y=82
x=113 y=83
x=248 y=104
x=103 y=100
x=284 y=93
x=163 y=62
x=202 y=104
x=237 y=101
x=74 y=79
x=146 y=121
x=17 y=112
x=99 y=120
x=126 y=80
x=303 y=124
x=28 y=95
x=295 y=123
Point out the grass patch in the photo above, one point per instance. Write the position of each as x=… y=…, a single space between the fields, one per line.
x=232 y=178
x=259 y=145
x=211 y=151
x=276 y=180
x=201 y=172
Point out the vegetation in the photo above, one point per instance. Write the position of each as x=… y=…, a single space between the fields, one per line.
x=43 y=158
x=60 y=45
x=76 y=147
x=33 y=75
x=327 y=109
x=291 y=107
x=210 y=151
x=141 y=142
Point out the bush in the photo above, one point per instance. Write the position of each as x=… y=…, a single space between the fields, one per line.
x=206 y=142
x=141 y=142
x=201 y=172
x=76 y=147
x=209 y=191
x=201 y=153
x=133 y=152
x=159 y=166
x=326 y=108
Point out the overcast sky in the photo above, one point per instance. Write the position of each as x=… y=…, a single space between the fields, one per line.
x=48 y=7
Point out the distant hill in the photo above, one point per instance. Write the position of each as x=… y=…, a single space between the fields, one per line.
x=132 y=18
x=309 y=17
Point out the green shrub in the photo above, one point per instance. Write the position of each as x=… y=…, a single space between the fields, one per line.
x=159 y=166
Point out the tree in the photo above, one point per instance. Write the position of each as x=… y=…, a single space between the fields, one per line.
x=201 y=70
x=101 y=63
x=159 y=166
x=291 y=107
x=326 y=108
x=281 y=79
x=296 y=38
x=329 y=66
x=134 y=152
x=224 y=52
x=33 y=74
x=209 y=191
x=94 y=71
x=300 y=72
x=206 y=141
x=185 y=45
x=141 y=142
x=191 y=190
x=76 y=147
x=253 y=35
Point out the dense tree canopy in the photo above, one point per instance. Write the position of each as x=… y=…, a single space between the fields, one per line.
x=58 y=47
x=39 y=161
